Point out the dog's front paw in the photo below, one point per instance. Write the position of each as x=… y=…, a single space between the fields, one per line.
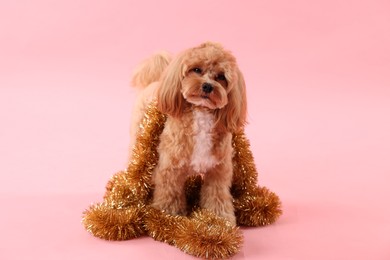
x=230 y=217
x=222 y=209
x=172 y=206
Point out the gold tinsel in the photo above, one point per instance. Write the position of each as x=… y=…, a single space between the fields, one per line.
x=254 y=206
x=202 y=234
x=126 y=212
x=114 y=224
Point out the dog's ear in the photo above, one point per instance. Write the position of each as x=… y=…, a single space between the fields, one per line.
x=169 y=97
x=232 y=117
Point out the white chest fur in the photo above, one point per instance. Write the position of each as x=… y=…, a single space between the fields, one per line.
x=202 y=158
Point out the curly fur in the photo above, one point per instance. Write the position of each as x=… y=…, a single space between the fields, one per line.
x=203 y=93
x=195 y=138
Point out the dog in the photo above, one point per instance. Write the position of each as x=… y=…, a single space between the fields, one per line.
x=202 y=92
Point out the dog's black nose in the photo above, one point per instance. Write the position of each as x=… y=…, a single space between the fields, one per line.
x=207 y=87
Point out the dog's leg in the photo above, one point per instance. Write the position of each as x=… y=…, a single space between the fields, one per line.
x=169 y=193
x=215 y=192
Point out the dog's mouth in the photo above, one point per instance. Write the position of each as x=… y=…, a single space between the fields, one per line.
x=203 y=100
x=202 y=96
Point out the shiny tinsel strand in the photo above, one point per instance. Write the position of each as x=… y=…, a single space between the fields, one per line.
x=202 y=234
x=211 y=236
x=119 y=224
x=134 y=184
x=244 y=168
x=126 y=212
x=254 y=206
x=259 y=208
x=120 y=216
x=161 y=226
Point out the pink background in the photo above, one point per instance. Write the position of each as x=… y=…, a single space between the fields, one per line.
x=318 y=82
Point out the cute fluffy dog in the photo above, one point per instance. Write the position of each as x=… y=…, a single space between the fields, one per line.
x=203 y=93
x=194 y=129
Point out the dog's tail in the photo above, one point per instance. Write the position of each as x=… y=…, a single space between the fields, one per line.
x=150 y=70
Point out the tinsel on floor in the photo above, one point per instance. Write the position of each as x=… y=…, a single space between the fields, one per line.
x=125 y=212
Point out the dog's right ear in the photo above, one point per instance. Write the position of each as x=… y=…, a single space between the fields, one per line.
x=170 y=100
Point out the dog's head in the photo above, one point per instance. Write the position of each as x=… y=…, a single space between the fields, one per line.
x=205 y=76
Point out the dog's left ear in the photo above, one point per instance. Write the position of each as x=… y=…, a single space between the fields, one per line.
x=232 y=117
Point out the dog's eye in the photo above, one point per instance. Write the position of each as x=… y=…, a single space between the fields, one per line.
x=197 y=70
x=221 y=77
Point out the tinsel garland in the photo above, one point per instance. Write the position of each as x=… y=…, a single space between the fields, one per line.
x=254 y=205
x=126 y=212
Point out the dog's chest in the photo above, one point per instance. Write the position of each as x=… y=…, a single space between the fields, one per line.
x=202 y=157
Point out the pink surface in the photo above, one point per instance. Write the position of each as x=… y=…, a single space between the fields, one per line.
x=319 y=103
